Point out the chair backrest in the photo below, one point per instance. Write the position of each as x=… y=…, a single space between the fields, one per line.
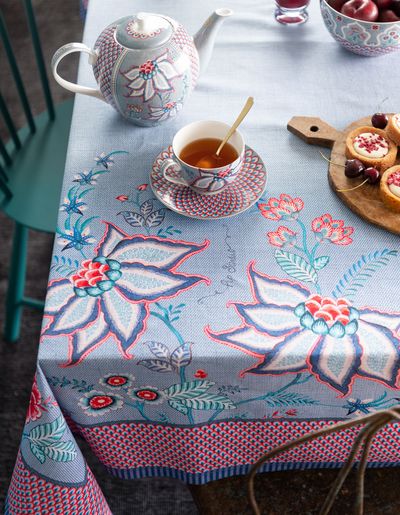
x=6 y=156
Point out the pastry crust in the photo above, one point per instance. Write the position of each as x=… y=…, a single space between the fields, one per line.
x=382 y=163
x=388 y=198
x=393 y=130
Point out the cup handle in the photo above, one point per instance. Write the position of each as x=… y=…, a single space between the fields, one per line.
x=75 y=88
x=166 y=165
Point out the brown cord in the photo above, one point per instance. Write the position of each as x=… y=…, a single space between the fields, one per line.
x=372 y=423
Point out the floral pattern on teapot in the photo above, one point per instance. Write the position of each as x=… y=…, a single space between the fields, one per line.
x=146 y=89
x=145 y=65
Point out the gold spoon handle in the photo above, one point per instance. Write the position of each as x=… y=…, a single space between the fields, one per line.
x=246 y=108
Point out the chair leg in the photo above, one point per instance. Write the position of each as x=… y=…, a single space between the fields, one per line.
x=16 y=283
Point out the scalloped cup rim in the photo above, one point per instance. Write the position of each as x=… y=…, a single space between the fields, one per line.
x=356 y=19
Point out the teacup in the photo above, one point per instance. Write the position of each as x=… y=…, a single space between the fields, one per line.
x=202 y=180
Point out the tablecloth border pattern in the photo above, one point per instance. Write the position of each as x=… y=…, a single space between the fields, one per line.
x=197 y=455
x=28 y=491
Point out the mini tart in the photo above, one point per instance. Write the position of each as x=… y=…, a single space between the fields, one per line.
x=383 y=161
x=393 y=128
x=390 y=188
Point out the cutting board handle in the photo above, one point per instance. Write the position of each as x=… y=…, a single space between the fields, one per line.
x=313 y=130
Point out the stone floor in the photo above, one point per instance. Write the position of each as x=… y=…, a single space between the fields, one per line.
x=279 y=493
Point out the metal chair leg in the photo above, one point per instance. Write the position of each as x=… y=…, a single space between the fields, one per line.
x=16 y=283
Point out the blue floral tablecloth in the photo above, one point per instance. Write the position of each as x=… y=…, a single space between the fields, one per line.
x=188 y=348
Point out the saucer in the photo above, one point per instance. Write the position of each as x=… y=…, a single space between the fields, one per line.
x=235 y=198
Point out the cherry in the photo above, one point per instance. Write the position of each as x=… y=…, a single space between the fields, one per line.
x=353 y=168
x=379 y=120
x=372 y=175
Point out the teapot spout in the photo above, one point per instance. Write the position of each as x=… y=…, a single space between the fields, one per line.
x=204 y=39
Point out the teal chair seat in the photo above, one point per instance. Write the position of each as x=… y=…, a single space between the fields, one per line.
x=37 y=169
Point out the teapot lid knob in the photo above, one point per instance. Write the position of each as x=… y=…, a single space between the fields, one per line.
x=144 y=31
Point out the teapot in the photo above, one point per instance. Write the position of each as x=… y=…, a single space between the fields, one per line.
x=145 y=65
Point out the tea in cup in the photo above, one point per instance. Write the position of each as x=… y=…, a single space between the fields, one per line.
x=195 y=163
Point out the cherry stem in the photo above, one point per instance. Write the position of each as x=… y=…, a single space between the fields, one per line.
x=329 y=161
x=355 y=187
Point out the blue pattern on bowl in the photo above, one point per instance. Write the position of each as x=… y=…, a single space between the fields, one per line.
x=370 y=39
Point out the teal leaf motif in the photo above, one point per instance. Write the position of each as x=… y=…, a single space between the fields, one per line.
x=61 y=451
x=361 y=271
x=38 y=452
x=178 y=406
x=283 y=399
x=321 y=262
x=157 y=365
x=168 y=231
x=85 y=192
x=182 y=356
x=47 y=434
x=209 y=401
x=160 y=350
x=64 y=266
x=295 y=266
x=187 y=390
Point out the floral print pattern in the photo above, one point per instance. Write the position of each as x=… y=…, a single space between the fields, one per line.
x=117 y=381
x=37 y=405
x=148 y=394
x=168 y=110
x=129 y=271
x=325 y=228
x=284 y=208
x=96 y=403
x=150 y=77
x=291 y=330
x=282 y=237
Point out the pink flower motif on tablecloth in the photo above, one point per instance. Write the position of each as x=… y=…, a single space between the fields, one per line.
x=291 y=330
x=142 y=187
x=283 y=236
x=151 y=77
x=117 y=381
x=96 y=403
x=147 y=394
x=200 y=374
x=122 y=198
x=284 y=208
x=36 y=406
x=327 y=229
x=111 y=294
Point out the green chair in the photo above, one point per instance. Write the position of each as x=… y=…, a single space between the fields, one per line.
x=31 y=172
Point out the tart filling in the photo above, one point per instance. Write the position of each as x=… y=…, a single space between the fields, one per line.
x=393 y=183
x=396 y=120
x=372 y=145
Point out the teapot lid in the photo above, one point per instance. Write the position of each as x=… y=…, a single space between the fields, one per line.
x=144 y=31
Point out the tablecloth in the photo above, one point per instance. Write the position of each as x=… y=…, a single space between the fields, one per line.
x=215 y=340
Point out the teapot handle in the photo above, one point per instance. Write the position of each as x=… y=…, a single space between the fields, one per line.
x=75 y=88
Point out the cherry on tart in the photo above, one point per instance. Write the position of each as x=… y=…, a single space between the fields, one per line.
x=393 y=128
x=372 y=147
x=390 y=188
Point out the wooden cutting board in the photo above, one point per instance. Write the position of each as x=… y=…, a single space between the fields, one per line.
x=364 y=201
